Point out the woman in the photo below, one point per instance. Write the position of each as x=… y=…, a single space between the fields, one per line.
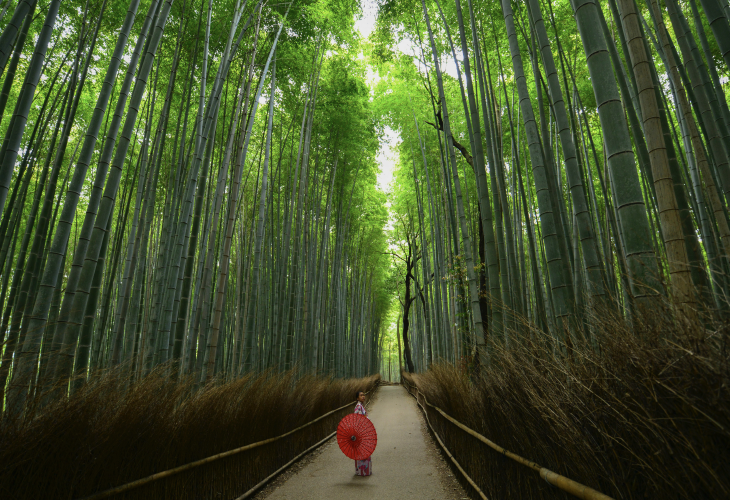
x=362 y=467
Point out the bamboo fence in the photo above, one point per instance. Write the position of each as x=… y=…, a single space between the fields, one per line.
x=284 y=450
x=566 y=484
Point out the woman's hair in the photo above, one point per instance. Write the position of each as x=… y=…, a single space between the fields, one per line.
x=357 y=394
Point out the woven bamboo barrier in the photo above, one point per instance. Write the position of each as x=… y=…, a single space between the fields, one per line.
x=236 y=451
x=566 y=484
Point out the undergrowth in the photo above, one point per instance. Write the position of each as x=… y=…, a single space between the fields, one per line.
x=112 y=432
x=641 y=411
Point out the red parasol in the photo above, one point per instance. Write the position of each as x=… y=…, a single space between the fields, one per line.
x=356 y=436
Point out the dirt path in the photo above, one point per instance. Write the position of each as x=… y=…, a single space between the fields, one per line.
x=406 y=463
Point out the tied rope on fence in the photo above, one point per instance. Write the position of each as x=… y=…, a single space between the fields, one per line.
x=553 y=478
x=182 y=468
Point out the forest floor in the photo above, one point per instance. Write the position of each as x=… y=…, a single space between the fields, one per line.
x=407 y=463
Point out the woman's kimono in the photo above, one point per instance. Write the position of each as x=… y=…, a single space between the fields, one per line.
x=363 y=467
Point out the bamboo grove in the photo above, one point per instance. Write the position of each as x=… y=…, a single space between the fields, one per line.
x=560 y=163
x=187 y=185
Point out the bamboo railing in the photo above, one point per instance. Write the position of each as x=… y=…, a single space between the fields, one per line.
x=192 y=465
x=566 y=484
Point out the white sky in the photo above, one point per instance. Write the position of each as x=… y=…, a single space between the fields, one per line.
x=387 y=156
x=366 y=25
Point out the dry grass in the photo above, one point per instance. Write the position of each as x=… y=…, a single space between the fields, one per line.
x=641 y=413
x=108 y=435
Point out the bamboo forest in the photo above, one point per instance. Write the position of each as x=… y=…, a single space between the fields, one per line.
x=220 y=220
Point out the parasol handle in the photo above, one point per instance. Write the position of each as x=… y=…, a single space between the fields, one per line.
x=353 y=438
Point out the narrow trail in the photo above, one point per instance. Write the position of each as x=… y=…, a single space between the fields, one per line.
x=406 y=463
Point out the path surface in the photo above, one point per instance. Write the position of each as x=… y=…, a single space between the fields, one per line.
x=406 y=463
